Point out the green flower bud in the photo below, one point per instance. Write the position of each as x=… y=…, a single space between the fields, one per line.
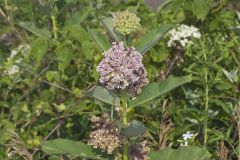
x=126 y=22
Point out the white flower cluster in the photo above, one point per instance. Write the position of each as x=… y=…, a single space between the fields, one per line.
x=10 y=65
x=182 y=34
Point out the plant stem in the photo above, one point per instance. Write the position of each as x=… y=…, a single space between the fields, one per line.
x=239 y=135
x=205 y=127
x=238 y=124
x=124 y=108
x=54 y=26
x=125 y=123
x=125 y=151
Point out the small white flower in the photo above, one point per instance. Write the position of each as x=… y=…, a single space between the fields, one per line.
x=12 y=70
x=181 y=35
x=186 y=136
x=22 y=49
x=13 y=53
x=19 y=60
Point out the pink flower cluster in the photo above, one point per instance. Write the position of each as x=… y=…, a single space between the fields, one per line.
x=122 y=69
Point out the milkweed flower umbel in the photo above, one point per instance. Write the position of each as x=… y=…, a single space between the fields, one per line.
x=126 y=22
x=182 y=34
x=122 y=69
x=105 y=135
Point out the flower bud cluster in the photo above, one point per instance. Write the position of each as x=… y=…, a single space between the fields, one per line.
x=126 y=22
x=105 y=135
x=122 y=69
x=181 y=35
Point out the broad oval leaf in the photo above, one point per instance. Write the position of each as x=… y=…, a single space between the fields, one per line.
x=64 y=56
x=154 y=90
x=135 y=129
x=183 y=153
x=151 y=38
x=99 y=39
x=201 y=8
x=78 y=17
x=76 y=32
x=108 y=25
x=39 y=50
x=68 y=147
x=44 y=32
x=102 y=94
x=88 y=49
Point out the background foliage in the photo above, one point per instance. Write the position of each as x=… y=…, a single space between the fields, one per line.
x=48 y=97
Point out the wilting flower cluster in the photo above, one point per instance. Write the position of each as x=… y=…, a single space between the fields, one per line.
x=139 y=151
x=105 y=135
x=126 y=22
x=181 y=35
x=122 y=69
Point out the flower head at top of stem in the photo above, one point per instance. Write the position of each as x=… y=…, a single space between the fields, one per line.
x=126 y=22
x=122 y=69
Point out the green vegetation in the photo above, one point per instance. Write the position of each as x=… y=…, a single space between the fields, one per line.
x=60 y=101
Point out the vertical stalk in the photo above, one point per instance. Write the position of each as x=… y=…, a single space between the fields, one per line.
x=54 y=26
x=238 y=124
x=206 y=109
x=205 y=127
x=125 y=122
x=239 y=135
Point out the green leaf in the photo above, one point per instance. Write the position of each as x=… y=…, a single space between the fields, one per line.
x=102 y=94
x=68 y=147
x=64 y=56
x=151 y=38
x=108 y=25
x=232 y=76
x=88 y=49
x=99 y=39
x=78 y=17
x=135 y=129
x=154 y=90
x=44 y=32
x=183 y=153
x=38 y=50
x=52 y=75
x=76 y=32
x=201 y=8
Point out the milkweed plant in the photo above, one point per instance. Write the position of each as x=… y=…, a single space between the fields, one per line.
x=111 y=77
x=124 y=79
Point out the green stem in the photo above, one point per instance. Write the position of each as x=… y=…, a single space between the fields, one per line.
x=125 y=152
x=206 y=105
x=124 y=108
x=54 y=26
x=238 y=114
x=125 y=123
